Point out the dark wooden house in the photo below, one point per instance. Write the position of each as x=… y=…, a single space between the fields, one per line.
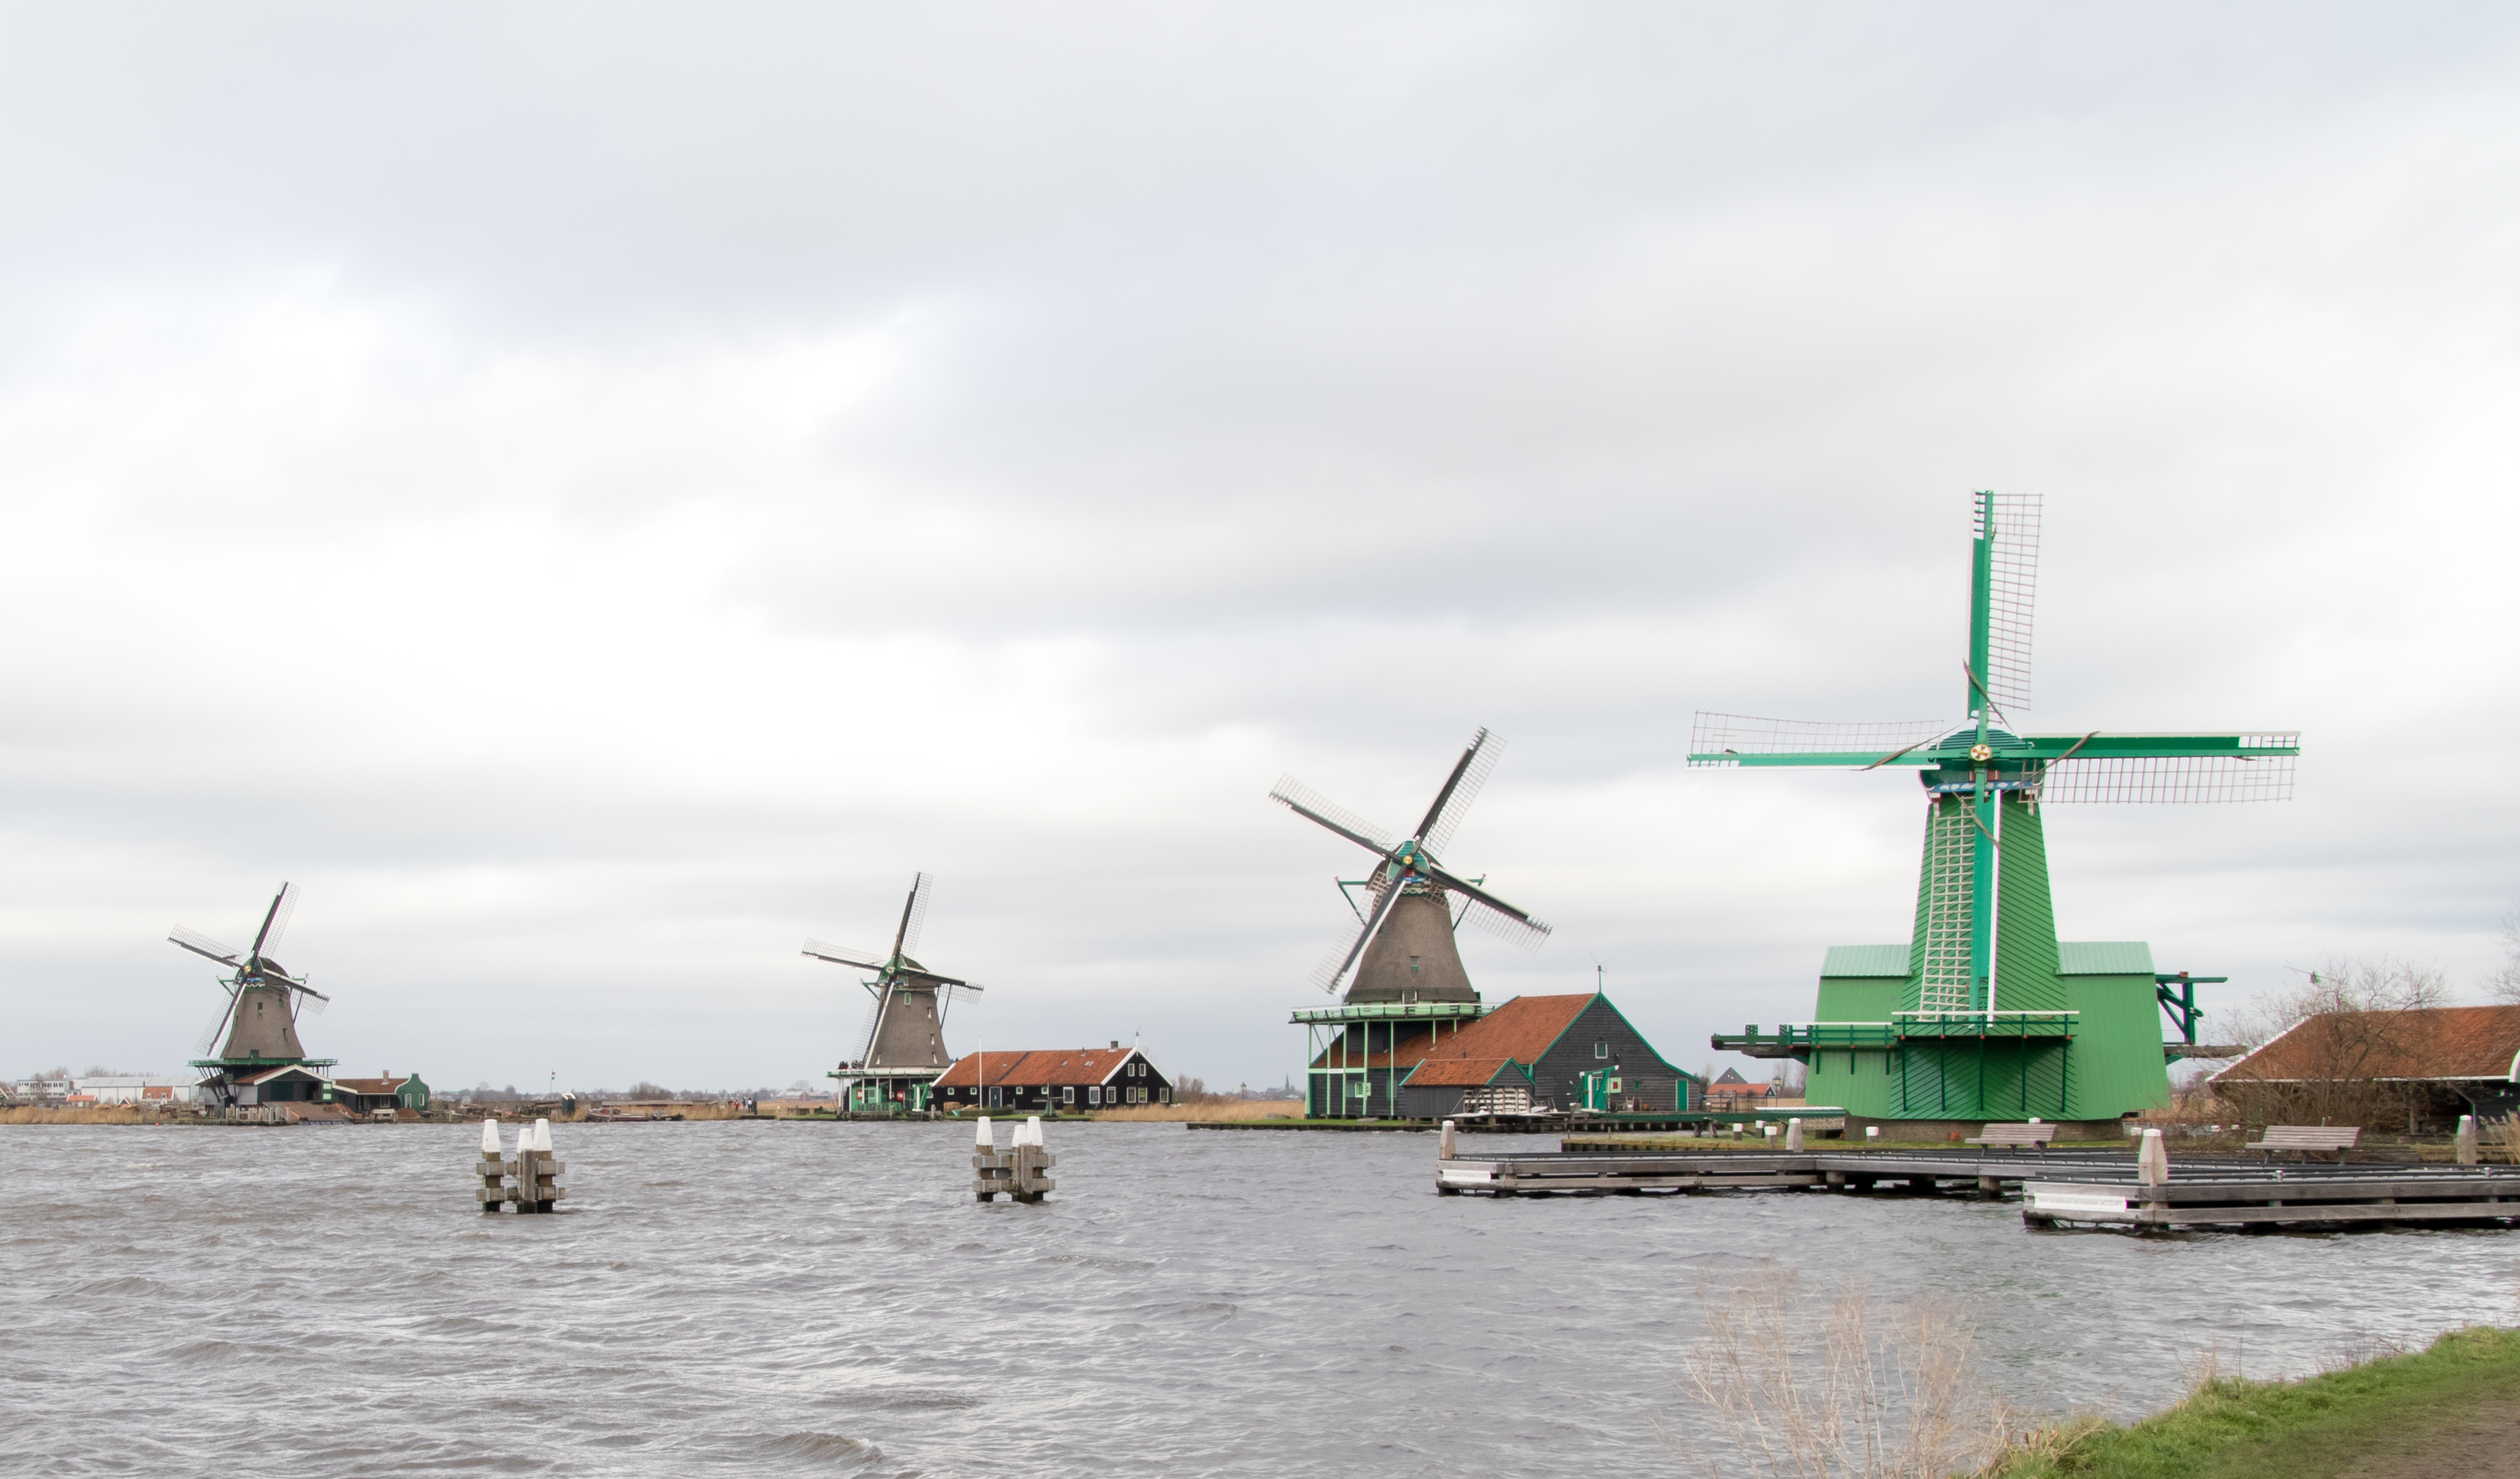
x=1052 y=1081
x=1550 y=1052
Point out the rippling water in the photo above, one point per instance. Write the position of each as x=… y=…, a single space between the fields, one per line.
x=812 y=1298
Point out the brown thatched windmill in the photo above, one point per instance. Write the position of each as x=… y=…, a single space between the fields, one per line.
x=1409 y=979
x=259 y=1015
x=902 y=1048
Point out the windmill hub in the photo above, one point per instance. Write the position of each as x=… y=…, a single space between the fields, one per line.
x=1981 y=753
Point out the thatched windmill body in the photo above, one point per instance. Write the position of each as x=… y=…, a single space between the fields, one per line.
x=1401 y=964
x=1983 y=1013
x=901 y=1049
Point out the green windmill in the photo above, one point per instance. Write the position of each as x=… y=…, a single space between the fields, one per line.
x=1983 y=1013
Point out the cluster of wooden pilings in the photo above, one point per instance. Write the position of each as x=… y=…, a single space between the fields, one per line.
x=1021 y=1170
x=530 y=1167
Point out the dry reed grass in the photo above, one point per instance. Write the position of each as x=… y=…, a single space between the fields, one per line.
x=1842 y=1385
x=83 y=1114
x=1207 y=1111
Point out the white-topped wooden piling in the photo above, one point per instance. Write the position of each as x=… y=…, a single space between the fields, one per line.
x=1445 y=1147
x=2468 y=1153
x=1795 y=1135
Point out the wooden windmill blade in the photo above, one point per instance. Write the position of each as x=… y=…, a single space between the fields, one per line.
x=2003 y=590
x=201 y=944
x=210 y=1035
x=1312 y=805
x=1460 y=788
x=275 y=923
x=1343 y=959
x=843 y=955
x=1744 y=739
x=914 y=915
x=2242 y=766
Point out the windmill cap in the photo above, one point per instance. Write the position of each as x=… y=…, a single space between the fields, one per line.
x=1960 y=741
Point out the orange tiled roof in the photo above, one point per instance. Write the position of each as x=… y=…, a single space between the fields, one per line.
x=2435 y=1043
x=1466 y=1074
x=1521 y=1029
x=1049 y=1065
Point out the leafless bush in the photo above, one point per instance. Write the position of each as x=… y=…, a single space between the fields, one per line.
x=2347 y=1042
x=1842 y=1385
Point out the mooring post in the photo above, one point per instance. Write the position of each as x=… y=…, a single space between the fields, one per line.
x=1872 y=1132
x=2467 y=1155
x=1444 y=1146
x=491 y=1170
x=1795 y=1135
x=988 y=1173
x=1769 y=1133
x=1032 y=1159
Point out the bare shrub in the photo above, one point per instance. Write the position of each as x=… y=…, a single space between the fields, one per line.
x=2347 y=1038
x=1842 y=1385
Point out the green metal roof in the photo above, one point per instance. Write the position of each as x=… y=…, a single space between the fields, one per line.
x=2104 y=957
x=1868 y=960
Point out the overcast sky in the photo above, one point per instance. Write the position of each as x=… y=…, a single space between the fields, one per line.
x=595 y=494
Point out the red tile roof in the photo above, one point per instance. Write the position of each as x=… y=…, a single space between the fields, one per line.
x=2435 y=1043
x=1468 y=1073
x=1521 y=1029
x=1051 y=1066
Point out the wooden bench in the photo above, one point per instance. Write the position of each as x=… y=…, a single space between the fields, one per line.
x=2307 y=1138
x=2015 y=1137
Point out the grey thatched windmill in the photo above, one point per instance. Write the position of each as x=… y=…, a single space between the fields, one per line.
x=1404 y=940
x=263 y=1001
x=902 y=1049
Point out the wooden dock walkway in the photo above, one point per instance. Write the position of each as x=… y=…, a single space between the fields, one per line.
x=2100 y=1187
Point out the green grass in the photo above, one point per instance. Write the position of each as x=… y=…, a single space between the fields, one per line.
x=2396 y=1414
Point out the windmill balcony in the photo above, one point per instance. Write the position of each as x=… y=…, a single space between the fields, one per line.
x=1391 y=1012
x=1801 y=1038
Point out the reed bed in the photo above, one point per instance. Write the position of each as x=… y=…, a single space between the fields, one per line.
x=1207 y=1111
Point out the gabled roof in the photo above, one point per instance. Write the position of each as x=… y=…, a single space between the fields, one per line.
x=282 y=1071
x=1521 y=1029
x=1468 y=1073
x=1054 y=1066
x=1733 y=1076
x=373 y=1085
x=2433 y=1043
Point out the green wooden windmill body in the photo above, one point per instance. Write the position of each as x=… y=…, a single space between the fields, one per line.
x=1983 y=1013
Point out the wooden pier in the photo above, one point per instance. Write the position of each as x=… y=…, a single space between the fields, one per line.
x=2127 y=1190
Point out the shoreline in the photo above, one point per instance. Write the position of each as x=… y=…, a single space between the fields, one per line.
x=2452 y=1408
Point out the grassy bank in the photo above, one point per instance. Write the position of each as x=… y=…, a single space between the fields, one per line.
x=2452 y=1408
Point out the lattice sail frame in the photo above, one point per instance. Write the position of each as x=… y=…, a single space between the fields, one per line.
x=2177 y=779
x=1714 y=737
x=2012 y=591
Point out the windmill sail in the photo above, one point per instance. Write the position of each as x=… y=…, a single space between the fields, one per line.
x=2009 y=582
x=2179 y=777
x=1742 y=739
x=914 y=914
x=1304 y=801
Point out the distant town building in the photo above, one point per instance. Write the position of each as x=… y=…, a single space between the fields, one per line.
x=139 y=1087
x=1046 y=1081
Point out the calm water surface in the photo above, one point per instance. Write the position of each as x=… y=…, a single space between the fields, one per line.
x=800 y=1298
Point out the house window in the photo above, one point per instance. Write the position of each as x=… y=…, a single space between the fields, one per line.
x=1067 y=1095
x=1164 y=1096
x=1600 y=1049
